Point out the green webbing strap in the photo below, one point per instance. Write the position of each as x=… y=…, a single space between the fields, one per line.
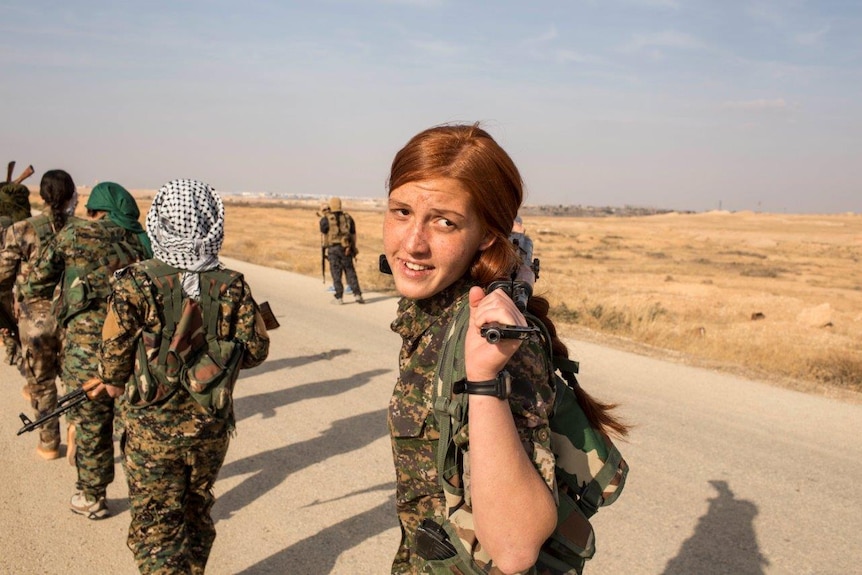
x=166 y=279
x=591 y=497
x=216 y=282
x=450 y=412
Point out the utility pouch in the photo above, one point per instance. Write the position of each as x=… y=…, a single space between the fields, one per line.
x=210 y=378
x=432 y=542
x=149 y=385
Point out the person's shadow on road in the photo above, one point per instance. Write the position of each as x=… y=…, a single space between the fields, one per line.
x=724 y=540
x=269 y=469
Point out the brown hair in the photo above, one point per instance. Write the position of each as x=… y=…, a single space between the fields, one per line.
x=57 y=188
x=469 y=154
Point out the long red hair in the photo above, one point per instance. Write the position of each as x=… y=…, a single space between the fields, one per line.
x=469 y=154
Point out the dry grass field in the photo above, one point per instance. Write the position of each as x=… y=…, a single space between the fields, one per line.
x=778 y=297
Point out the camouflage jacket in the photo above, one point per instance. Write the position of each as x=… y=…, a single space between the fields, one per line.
x=82 y=257
x=413 y=426
x=21 y=246
x=136 y=305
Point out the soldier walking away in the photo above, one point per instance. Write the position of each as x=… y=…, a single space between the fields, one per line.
x=178 y=426
x=339 y=231
x=14 y=207
x=39 y=333
x=82 y=259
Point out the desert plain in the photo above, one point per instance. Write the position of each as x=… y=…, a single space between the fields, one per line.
x=772 y=296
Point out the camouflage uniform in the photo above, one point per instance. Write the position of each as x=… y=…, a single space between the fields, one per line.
x=84 y=255
x=13 y=349
x=41 y=338
x=413 y=426
x=173 y=449
x=340 y=250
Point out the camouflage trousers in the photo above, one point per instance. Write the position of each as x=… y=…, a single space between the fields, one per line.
x=341 y=264
x=170 y=497
x=41 y=341
x=13 y=348
x=93 y=419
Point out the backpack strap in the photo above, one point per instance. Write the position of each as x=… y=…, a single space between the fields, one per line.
x=166 y=280
x=451 y=412
x=213 y=284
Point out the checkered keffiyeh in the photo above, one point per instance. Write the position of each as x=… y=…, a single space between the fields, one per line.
x=186 y=227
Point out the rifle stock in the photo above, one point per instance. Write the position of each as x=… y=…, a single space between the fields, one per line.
x=64 y=404
x=28 y=171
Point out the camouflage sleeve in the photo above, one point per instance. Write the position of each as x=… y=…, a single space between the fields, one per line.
x=532 y=401
x=10 y=257
x=248 y=326
x=127 y=312
x=45 y=273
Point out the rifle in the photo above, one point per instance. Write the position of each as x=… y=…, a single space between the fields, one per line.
x=9 y=170
x=64 y=404
x=28 y=171
x=323 y=261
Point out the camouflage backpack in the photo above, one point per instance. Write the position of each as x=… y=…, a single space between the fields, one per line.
x=188 y=351
x=83 y=286
x=590 y=470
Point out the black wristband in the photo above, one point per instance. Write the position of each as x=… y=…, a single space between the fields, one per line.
x=499 y=387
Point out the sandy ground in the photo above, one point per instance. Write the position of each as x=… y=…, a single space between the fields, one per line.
x=728 y=475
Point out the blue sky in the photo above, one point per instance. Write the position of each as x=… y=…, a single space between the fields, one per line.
x=664 y=103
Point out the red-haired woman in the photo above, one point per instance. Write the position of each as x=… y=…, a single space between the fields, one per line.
x=453 y=196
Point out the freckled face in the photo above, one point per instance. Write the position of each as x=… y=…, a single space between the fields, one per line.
x=431 y=234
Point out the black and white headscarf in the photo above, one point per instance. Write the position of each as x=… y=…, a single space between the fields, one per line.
x=186 y=227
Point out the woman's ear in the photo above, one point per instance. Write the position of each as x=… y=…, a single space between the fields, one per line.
x=487 y=242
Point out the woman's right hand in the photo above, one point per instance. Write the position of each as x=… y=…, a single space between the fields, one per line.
x=485 y=360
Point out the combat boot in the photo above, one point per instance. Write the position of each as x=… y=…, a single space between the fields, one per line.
x=48 y=451
x=89 y=506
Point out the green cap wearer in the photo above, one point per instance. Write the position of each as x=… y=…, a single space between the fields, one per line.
x=122 y=209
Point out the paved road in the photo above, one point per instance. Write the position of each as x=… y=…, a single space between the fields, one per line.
x=728 y=475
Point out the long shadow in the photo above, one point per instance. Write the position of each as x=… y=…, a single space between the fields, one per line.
x=270 y=468
x=318 y=553
x=266 y=403
x=724 y=540
x=286 y=362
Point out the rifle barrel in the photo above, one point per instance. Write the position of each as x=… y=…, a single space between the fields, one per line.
x=64 y=404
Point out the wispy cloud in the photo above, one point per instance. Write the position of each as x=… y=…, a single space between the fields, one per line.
x=661 y=4
x=666 y=39
x=436 y=47
x=813 y=37
x=544 y=38
x=565 y=56
x=757 y=105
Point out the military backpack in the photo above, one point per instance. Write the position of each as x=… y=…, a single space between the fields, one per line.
x=340 y=226
x=589 y=469
x=187 y=352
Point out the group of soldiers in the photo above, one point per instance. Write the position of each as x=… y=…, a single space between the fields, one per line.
x=81 y=298
x=55 y=272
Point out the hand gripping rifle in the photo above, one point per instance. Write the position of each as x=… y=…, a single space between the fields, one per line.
x=64 y=404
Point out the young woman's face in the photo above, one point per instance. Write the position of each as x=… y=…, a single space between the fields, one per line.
x=431 y=234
